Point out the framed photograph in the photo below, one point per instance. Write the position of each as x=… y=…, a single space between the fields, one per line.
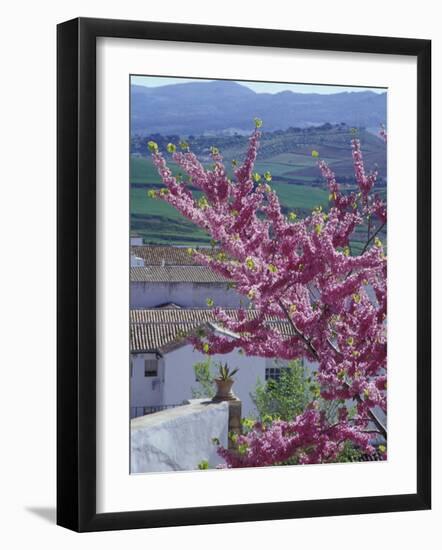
x=243 y=274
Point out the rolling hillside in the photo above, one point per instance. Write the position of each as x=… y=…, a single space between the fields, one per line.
x=286 y=154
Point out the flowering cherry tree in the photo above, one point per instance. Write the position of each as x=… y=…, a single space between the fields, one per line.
x=302 y=272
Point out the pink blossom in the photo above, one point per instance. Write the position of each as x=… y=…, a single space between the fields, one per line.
x=300 y=274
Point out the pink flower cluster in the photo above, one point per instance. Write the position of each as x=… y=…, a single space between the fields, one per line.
x=308 y=439
x=302 y=272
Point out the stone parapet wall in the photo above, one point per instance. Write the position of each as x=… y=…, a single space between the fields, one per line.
x=179 y=438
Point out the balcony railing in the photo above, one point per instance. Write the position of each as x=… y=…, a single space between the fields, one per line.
x=150 y=409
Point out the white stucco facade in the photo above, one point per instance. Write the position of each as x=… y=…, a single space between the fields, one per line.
x=176 y=377
x=184 y=294
x=145 y=390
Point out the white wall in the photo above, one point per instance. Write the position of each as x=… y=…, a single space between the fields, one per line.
x=176 y=377
x=178 y=439
x=145 y=390
x=28 y=141
x=145 y=295
x=179 y=376
x=135 y=261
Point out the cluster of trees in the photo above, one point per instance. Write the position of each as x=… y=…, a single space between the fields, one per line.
x=275 y=142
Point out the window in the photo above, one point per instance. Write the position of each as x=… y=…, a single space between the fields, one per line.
x=273 y=373
x=150 y=367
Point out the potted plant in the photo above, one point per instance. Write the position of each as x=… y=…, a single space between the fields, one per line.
x=224 y=382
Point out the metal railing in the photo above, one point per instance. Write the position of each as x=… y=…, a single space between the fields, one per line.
x=150 y=409
x=375 y=457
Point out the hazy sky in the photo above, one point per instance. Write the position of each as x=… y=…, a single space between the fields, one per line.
x=260 y=87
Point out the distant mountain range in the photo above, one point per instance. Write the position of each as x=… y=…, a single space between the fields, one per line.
x=195 y=108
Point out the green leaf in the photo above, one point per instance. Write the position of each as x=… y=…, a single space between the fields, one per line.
x=202 y=203
x=153 y=146
x=250 y=263
x=242 y=448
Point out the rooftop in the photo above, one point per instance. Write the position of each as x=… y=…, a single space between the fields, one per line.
x=175 y=274
x=160 y=329
x=167 y=255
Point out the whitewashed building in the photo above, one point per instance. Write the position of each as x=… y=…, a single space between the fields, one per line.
x=168 y=297
x=162 y=360
x=164 y=274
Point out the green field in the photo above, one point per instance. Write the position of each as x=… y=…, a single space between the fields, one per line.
x=295 y=177
x=143 y=171
x=159 y=223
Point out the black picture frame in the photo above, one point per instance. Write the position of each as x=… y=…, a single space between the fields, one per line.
x=76 y=273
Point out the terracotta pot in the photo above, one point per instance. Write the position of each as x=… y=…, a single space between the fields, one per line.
x=224 y=390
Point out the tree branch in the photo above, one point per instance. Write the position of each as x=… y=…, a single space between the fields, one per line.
x=306 y=341
x=372 y=237
x=373 y=416
x=312 y=349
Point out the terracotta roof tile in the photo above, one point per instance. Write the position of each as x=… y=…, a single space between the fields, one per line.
x=166 y=255
x=156 y=329
x=175 y=274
